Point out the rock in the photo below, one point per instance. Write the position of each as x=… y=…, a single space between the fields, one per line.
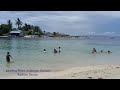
x=90 y=77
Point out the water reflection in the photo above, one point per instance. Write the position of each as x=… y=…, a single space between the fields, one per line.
x=8 y=65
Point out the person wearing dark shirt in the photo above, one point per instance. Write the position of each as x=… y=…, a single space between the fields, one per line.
x=55 y=51
x=8 y=57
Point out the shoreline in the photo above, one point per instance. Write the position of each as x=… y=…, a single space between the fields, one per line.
x=85 y=72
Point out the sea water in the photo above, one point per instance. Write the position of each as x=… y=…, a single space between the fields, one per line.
x=28 y=53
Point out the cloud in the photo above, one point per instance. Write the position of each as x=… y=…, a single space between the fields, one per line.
x=110 y=14
x=71 y=22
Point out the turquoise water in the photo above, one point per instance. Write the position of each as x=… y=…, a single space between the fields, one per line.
x=28 y=53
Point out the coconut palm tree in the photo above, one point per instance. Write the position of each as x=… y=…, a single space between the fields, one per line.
x=9 y=25
x=18 y=23
x=44 y=32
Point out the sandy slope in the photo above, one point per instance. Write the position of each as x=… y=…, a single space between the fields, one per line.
x=89 y=72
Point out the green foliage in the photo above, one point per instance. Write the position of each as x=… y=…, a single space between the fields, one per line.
x=54 y=33
x=4 y=29
x=26 y=28
x=29 y=33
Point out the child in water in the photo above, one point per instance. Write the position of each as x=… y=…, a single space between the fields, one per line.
x=8 y=57
x=94 y=50
x=55 y=51
x=109 y=52
x=44 y=50
x=59 y=49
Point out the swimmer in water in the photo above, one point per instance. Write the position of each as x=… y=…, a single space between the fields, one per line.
x=44 y=50
x=8 y=57
x=55 y=51
x=59 y=49
x=109 y=51
x=94 y=50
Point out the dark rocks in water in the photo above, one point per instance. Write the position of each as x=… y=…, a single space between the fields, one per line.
x=117 y=67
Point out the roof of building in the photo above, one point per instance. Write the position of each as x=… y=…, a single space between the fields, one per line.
x=16 y=31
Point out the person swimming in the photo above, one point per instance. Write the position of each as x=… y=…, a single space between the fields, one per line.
x=55 y=51
x=109 y=51
x=94 y=50
x=101 y=51
x=59 y=49
x=8 y=57
x=44 y=50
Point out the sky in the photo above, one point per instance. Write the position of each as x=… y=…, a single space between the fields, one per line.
x=69 y=22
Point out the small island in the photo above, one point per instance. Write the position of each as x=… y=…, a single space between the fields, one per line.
x=25 y=30
x=29 y=31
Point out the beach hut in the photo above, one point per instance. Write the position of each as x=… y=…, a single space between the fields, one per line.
x=16 y=33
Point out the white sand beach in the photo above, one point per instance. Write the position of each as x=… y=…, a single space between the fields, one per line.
x=87 y=72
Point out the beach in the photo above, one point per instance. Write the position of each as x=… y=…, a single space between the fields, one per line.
x=75 y=61
x=87 y=72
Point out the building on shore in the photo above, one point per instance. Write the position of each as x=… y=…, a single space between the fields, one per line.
x=16 y=33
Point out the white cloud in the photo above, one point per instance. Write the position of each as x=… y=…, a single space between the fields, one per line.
x=110 y=14
x=72 y=22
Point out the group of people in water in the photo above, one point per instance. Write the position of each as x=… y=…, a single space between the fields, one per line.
x=55 y=51
x=95 y=51
x=8 y=56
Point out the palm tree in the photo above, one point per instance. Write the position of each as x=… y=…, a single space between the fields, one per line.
x=9 y=25
x=18 y=23
x=44 y=32
x=54 y=33
x=26 y=27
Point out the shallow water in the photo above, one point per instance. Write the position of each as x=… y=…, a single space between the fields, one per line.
x=28 y=53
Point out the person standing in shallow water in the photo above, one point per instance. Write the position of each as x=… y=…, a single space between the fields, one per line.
x=8 y=57
x=59 y=49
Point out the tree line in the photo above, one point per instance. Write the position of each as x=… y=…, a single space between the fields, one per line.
x=26 y=28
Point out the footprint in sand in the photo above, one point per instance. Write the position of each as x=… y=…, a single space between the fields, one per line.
x=74 y=73
x=100 y=78
x=72 y=76
x=117 y=67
